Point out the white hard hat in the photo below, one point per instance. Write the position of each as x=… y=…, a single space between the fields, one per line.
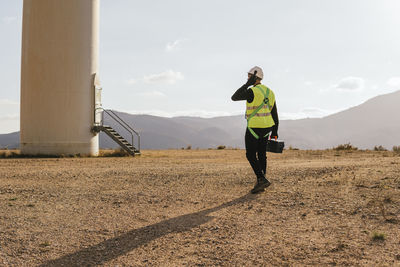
x=260 y=73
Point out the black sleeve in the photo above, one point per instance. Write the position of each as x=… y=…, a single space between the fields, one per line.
x=243 y=94
x=274 y=113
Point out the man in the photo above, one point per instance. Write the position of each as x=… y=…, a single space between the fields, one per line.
x=262 y=123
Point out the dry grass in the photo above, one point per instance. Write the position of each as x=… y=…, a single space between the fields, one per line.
x=113 y=153
x=9 y=154
x=192 y=207
x=12 y=154
x=347 y=146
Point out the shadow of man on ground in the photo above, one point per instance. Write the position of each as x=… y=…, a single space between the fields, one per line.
x=120 y=245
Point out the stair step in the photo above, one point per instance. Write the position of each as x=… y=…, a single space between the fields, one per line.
x=124 y=143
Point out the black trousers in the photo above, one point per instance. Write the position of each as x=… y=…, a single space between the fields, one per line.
x=256 y=150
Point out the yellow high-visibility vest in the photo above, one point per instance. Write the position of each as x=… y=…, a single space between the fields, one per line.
x=263 y=118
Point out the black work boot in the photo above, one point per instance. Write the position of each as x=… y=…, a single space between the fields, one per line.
x=262 y=183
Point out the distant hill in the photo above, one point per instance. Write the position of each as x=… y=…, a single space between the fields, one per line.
x=10 y=140
x=164 y=133
x=375 y=122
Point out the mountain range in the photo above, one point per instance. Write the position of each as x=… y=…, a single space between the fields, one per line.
x=373 y=123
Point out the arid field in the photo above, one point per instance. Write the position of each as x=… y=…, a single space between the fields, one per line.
x=193 y=207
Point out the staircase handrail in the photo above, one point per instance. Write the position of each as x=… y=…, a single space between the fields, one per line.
x=121 y=122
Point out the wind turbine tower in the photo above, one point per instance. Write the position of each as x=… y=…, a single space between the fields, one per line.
x=58 y=76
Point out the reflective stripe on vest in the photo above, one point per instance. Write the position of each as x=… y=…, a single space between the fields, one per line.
x=260 y=115
x=254 y=107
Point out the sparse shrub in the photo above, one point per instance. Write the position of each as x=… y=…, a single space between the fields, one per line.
x=114 y=153
x=189 y=147
x=377 y=236
x=221 y=147
x=44 y=244
x=293 y=148
x=347 y=146
x=387 y=199
x=379 y=148
x=396 y=149
x=10 y=154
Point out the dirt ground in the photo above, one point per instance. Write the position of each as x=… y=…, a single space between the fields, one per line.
x=193 y=207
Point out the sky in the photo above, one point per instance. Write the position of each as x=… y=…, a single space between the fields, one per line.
x=187 y=57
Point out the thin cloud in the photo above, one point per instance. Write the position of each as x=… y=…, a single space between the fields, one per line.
x=166 y=77
x=9 y=123
x=350 y=84
x=9 y=110
x=8 y=102
x=175 y=45
x=8 y=19
x=308 y=83
x=394 y=82
x=314 y=112
x=308 y=112
x=12 y=117
x=153 y=94
x=132 y=81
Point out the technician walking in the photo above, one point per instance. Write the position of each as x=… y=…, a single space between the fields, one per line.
x=262 y=123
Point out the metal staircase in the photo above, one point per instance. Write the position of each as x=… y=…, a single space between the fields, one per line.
x=114 y=135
